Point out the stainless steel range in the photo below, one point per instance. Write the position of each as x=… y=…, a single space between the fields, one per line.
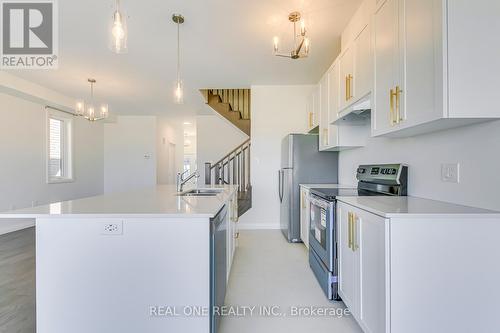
x=373 y=180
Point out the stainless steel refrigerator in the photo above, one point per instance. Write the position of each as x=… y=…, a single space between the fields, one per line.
x=301 y=163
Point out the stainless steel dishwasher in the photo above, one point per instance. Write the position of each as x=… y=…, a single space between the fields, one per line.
x=218 y=266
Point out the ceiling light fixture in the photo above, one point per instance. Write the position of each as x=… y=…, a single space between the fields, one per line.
x=87 y=109
x=118 y=40
x=301 y=44
x=179 y=89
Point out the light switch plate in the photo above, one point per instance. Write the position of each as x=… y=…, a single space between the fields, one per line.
x=450 y=172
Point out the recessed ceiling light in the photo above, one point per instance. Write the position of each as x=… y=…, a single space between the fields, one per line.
x=187 y=123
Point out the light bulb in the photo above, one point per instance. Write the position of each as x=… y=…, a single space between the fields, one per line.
x=118 y=41
x=307 y=45
x=80 y=107
x=178 y=93
x=275 y=43
x=91 y=113
x=104 y=111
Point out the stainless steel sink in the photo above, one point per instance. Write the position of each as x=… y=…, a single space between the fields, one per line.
x=202 y=192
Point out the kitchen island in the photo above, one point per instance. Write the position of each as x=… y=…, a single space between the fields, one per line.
x=139 y=261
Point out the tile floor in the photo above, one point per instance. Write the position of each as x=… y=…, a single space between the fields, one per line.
x=268 y=271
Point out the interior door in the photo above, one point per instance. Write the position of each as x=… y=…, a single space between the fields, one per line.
x=385 y=55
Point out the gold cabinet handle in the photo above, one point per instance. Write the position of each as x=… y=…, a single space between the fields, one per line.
x=349 y=232
x=397 y=93
x=347 y=88
x=310 y=119
x=392 y=119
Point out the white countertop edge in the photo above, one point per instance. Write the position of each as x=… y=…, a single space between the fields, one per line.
x=111 y=215
x=350 y=201
x=223 y=199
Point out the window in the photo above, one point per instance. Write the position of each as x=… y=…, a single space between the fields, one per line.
x=59 y=148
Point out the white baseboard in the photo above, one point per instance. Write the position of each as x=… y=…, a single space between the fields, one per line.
x=258 y=226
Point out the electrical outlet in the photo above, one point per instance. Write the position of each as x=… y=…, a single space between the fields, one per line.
x=450 y=172
x=111 y=228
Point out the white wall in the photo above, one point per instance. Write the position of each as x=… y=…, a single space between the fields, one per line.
x=215 y=138
x=475 y=147
x=276 y=111
x=23 y=160
x=130 y=153
x=169 y=131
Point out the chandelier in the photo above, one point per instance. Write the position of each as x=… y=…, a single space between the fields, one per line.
x=87 y=109
x=301 y=43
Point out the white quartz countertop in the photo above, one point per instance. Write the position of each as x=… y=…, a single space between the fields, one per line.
x=159 y=201
x=310 y=186
x=413 y=207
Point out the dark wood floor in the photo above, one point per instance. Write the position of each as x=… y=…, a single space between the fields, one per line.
x=17 y=282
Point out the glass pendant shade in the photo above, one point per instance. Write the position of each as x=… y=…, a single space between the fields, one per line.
x=178 y=92
x=118 y=37
x=80 y=107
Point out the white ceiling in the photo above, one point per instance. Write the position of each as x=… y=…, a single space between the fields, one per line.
x=224 y=44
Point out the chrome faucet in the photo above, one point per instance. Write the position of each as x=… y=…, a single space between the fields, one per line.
x=181 y=181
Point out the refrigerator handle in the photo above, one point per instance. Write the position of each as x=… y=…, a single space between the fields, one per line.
x=280 y=187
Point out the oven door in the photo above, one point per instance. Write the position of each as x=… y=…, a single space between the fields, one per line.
x=321 y=232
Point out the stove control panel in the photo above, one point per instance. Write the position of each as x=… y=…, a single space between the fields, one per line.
x=385 y=172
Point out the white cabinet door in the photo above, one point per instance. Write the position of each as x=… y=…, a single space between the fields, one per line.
x=362 y=265
x=348 y=260
x=346 y=78
x=323 y=113
x=304 y=215
x=371 y=237
x=473 y=58
x=316 y=106
x=310 y=111
x=333 y=92
x=386 y=65
x=232 y=232
x=363 y=69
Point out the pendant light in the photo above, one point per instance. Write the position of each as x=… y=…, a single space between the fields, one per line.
x=87 y=109
x=301 y=43
x=118 y=40
x=178 y=89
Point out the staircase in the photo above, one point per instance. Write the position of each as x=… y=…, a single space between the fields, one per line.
x=233 y=169
x=232 y=104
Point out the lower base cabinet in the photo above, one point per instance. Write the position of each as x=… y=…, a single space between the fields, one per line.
x=362 y=266
x=416 y=274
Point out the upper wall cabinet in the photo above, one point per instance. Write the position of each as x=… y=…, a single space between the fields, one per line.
x=313 y=109
x=334 y=137
x=431 y=60
x=356 y=70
